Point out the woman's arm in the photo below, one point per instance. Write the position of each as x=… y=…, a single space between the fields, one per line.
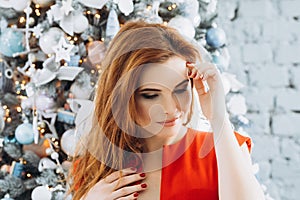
x=236 y=180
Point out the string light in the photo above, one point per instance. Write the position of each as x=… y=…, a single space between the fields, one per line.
x=149 y=7
x=174 y=6
x=22 y=20
x=19 y=109
x=97 y=16
x=8 y=120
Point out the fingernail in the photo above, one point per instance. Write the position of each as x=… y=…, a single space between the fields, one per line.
x=133 y=169
x=188 y=63
x=136 y=194
x=189 y=72
x=144 y=185
x=142 y=175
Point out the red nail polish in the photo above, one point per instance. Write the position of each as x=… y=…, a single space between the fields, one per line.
x=135 y=194
x=144 y=185
x=142 y=175
x=188 y=63
x=189 y=72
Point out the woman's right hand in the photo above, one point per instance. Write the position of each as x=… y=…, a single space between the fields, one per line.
x=116 y=187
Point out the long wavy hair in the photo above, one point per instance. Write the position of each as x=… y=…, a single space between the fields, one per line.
x=115 y=130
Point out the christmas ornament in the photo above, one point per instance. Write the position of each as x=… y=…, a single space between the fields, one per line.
x=74 y=61
x=62 y=50
x=2 y=123
x=11 y=42
x=68 y=142
x=112 y=26
x=96 y=52
x=41 y=193
x=81 y=23
x=237 y=105
x=190 y=10
x=125 y=6
x=18 y=5
x=50 y=39
x=43 y=3
x=67 y=7
x=215 y=37
x=183 y=25
x=16 y=169
x=46 y=163
x=94 y=3
x=7 y=197
x=24 y=133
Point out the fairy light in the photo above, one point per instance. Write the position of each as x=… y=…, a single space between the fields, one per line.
x=102 y=39
x=149 y=7
x=69 y=38
x=8 y=120
x=37 y=6
x=88 y=12
x=65 y=64
x=42 y=130
x=22 y=20
x=19 y=109
x=37 y=12
x=75 y=38
x=97 y=16
x=28 y=175
x=174 y=6
x=4 y=107
x=92 y=71
x=165 y=23
x=71 y=41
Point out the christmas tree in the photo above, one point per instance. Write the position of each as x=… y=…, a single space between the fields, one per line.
x=50 y=58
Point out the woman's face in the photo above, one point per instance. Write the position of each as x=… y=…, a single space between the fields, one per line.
x=163 y=97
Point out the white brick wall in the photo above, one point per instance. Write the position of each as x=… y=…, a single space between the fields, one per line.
x=264 y=44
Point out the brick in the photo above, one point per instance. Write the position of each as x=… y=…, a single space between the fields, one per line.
x=290 y=149
x=269 y=76
x=286 y=124
x=259 y=99
x=288 y=53
x=276 y=30
x=259 y=123
x=264 y=170
x=288 y=99
x=257 y=9
x=252 y=31
x=290 y=8
x=295 y=77
x=265 y=147
x=257 y=53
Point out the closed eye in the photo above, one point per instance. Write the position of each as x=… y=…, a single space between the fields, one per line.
x=149 y=96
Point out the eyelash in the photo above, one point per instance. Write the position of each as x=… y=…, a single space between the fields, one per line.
x=147 y=96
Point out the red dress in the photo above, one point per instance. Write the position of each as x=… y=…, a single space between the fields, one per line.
x=193 y=175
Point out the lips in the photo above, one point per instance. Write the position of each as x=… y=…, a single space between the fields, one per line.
x=170 y=122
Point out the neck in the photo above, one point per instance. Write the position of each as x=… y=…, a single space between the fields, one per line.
x=157 y=141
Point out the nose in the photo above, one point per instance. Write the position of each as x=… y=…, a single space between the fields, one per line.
x=171 y=105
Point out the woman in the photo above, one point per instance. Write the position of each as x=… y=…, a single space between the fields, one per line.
x=140 y=147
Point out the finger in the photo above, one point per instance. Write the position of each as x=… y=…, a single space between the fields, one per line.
x=116 y=175
x=129 y=192
x=126 y=180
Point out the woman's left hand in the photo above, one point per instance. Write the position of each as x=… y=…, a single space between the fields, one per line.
x=212 y=101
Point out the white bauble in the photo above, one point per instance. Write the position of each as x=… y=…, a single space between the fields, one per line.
x=24 y=133
x=183 y=25
x=81 y=23
x=68 y=142
x=125 y=6
x=50 y=39
x=19 y=5
x=43 y=3
x=41 y=193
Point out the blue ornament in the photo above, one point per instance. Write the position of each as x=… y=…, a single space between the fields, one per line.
x=11 y=42
x=10 y=139
x=220 y=61
x=24 y=133
x=215 y=37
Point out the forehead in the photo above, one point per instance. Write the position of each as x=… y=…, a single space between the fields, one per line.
x=167 y=74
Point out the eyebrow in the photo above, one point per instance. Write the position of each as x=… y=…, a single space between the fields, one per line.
x=158 y=90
